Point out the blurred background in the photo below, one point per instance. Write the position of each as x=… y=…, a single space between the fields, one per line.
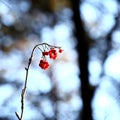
x=84 y=82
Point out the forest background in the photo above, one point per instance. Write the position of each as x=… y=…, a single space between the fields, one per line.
x=84 y=82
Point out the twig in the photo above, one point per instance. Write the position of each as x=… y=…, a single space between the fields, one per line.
x=20 y=117
x=25 y=84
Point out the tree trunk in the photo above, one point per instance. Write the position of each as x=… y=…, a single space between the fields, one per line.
x=83 y=48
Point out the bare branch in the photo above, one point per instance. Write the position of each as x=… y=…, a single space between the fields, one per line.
x=20 y=117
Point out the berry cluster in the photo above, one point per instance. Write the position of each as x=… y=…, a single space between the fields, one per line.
x=52 y=53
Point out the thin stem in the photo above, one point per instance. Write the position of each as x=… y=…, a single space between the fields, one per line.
x=26 y=80
x=25 y=85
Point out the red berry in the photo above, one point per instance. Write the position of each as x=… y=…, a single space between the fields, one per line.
x=53 y=53
x=60 y=50
x=44 y=64
x=45 y=53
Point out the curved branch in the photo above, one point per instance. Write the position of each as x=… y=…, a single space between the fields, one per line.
x=26 y=79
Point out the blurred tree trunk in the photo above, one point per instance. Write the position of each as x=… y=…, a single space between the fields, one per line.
x=86 y=90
